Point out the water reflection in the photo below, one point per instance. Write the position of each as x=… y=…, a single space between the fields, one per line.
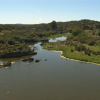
x=38 y=46
x=56 y=39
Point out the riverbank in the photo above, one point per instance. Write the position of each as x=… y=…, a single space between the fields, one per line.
x=61 y=55
x=18 y=46
x=72 y=55
x=12 y=51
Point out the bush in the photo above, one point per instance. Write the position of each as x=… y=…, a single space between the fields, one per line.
x=11 y=42
x=72 y=50
x=99 y=34
x=91 y=43
x=80 y=48
x=76 y=31
x=70 y=30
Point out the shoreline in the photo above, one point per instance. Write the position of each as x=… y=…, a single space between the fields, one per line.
x=72 y=59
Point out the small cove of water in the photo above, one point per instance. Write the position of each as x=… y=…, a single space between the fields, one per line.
x=58 y=39
x=54 y=79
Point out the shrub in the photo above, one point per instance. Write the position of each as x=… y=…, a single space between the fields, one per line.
x=76 y=31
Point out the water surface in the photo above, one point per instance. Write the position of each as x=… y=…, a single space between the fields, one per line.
x=54 y=79
x=58 y=39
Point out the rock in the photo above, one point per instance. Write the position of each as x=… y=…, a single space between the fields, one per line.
x=12 y=62
x=31 y=59
x=37 y=60
x=5 y=64
x=28 y=59
x=45 y=59
x=1 y=66
x=27 y=63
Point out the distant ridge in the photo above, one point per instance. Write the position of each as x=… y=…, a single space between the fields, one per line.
x=82 y=20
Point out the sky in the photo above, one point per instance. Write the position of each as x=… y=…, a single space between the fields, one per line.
x=45 y=11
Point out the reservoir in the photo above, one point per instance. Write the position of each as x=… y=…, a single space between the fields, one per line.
x=56 y=78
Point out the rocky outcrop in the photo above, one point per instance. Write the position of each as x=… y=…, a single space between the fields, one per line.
x=37 y=60
x=5 y=64
x=17 y=54
x=28 y=59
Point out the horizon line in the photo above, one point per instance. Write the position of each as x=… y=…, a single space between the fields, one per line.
x=44 y=22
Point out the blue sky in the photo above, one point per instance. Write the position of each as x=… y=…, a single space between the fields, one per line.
x=45 y=11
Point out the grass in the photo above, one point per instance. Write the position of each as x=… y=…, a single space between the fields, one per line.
x=72 y=55
x=55 y=36
x=95 y=48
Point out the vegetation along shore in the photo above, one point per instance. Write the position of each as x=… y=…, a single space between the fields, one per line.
x=82 y=44
x=83 y=39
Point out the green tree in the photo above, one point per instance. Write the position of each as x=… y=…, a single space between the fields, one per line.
x=98 y=25
x=99 y=34
x=53 y=25
x=70 y=30
x=76 y=31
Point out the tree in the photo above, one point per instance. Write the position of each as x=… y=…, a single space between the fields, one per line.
x=70 y=30
x=98 y=25
x=76 y=31
x=99 y=33
x=53 y=25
